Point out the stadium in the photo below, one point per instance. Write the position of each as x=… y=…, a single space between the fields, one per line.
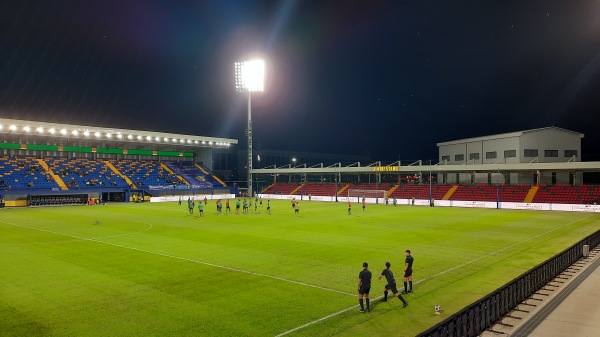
x=138 y=200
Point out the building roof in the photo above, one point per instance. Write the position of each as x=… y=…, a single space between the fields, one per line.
x=506 y=135
x=44 y=129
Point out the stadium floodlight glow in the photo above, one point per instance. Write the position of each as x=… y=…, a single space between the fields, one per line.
x=108 y=135
x=74 y=133
x=148 y=138
x=249 y=78
x=182 y=141
x=40 y=129
x=13 y=127
x=210 y=143
x=157 y=139
x=189 y=141
x=97 y=134
x=52 y=131
x=119 y=136
x=166 y=139
x=139 y=137
x=129 y=137
x=203 y=142
x=63 y=132
x=1 y=127
x=86 y=133
x=26 y=129
x=195 y=142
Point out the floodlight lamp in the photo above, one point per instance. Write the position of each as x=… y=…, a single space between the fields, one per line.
x=249 y=76
x=86 y=133
x=210 y=143
x=139 y=137
x=195 y=142
x=108 y=135
x=119 y=135
x=97 y=134
x=39 y=130
x=13 y=127
x=1 y=127
x=74 y=133
x=148 y=138
x=52 y=131
x=63 y=132
x=182 y=141
x=129 y=137
x=157 y=139
x=189 y=141
x=27 y=129
x=166 y=139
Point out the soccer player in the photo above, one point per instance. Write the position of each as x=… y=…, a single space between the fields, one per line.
x=260 y=202
x=364 y=286
x=391 y=285
x=245 y=206
x=387 y=202
x=200 y=209
x=364 y=204
x=269 y=207
x=237 y=206
x=227 y=208
x=395 y=202
x=205 y=201
x=179 y=200
x=255 y=207
x=408 y=272
x=297 y=208
x=191 y=205
x=349 y=208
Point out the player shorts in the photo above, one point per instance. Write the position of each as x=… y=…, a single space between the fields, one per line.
x=392 y=287
x=364 y=289
x=408 y=272
x=237 y=207
x=349 y=210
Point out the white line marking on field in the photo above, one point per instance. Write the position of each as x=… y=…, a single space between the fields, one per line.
x=187 y=259
x=428 y=278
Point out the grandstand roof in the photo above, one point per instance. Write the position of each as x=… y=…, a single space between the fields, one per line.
x=505 y=135
x=45 y=129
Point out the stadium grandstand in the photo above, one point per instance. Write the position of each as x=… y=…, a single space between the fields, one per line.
x=535 y=166
x=52 y=164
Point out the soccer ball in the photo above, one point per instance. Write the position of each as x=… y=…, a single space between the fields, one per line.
x=438 y=309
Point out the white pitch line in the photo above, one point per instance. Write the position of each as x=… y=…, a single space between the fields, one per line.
x=188 y=260
x=427 y=278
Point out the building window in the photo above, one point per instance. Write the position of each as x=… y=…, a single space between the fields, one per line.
x=490 y=155
x=550 y=153
x=510 y=153
x=530 y=153
x=473 y=156
x=570 y=153
x=445 y=158
x=459 y=157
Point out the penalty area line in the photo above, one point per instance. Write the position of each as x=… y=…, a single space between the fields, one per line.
x=188 y=260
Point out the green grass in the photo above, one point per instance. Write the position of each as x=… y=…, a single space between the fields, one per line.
x=153 y=270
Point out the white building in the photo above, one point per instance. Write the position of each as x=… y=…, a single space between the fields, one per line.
x=544 y=145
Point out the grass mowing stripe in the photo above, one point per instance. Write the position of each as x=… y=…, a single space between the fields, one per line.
x=186 y=259
x=69 y=241
x=430 y=277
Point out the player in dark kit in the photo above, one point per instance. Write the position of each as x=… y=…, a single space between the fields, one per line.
x=408 y=272
x=364 y=286
x=391 y=285
x=227 y=207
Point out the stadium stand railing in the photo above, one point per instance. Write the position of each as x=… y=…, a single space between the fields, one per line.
x=481 y=315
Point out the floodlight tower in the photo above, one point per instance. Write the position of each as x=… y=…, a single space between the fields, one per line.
x=249 y=78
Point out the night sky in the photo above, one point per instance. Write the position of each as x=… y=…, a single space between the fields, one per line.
x=387 y=79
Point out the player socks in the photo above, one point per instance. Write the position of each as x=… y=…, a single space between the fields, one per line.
x=368 y=304
x=401 y=299
x=385 y=295
x=405 y=287
x=410 y=284
x=360 y=301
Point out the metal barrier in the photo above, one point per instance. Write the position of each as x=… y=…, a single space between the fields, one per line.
x=479 y=316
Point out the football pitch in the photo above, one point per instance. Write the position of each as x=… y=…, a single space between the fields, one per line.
x=154 y=270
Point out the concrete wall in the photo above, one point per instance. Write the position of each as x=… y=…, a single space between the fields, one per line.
x=550 y=139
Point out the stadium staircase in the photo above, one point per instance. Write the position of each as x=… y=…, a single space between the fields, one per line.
x=56 y=178
x=24 y=173
x=391 y=191
x=531 y=194
x=343 y=189
x=116 y=171
x=296 y=189
x=264 y=190
x=451 y=191
x=168 y=169
x=85 y=173
x=214 y=176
